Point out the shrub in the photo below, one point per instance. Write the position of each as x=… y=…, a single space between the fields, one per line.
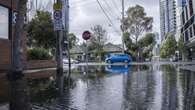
x=38 y=54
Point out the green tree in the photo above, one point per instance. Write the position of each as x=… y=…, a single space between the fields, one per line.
x=136 y=23
x=182 y=48
x=169 y=47
x=73 y=40
x=41 y=32
x=148 y=39
x=131 y=47
x=147 y=43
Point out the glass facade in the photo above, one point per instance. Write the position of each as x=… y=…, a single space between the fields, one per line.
x=167 y=17
x=188 y=21
x=191 y=7
x=4 y=22
x=194 y=28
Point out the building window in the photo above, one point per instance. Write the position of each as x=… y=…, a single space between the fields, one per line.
x=194 y=29
x=183 y=18
x=186 y=36
x=186 y=12
x=191 y=7
x=4 y=22
x=191 y=33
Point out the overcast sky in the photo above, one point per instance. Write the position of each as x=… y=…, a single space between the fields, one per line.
x=86 y=13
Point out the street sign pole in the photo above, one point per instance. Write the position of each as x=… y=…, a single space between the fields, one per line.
x=86 y=36
x=87 y=54
x=58 y=28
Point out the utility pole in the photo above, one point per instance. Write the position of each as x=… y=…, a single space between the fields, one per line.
x=66 y=29
x=59 y=34
x=122 y=27
x=18 y=90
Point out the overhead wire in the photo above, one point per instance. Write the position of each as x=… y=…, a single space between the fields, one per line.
x=107 y=16
x=80 y=3
x=110 y=9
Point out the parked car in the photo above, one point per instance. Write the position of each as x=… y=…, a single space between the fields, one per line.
x=65 y=61
x=118 y=58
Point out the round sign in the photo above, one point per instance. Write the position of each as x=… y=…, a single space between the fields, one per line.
x=57 y=14
x=86 y=35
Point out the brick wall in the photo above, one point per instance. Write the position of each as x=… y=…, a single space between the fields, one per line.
x=37 y=64
x=9 y=3
x=5 y=45
x=5 y=54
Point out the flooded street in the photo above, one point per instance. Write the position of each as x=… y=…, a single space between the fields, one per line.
x=139 y=87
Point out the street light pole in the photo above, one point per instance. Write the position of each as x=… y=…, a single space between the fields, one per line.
x=122 y=28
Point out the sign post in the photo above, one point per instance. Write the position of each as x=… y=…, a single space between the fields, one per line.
x=57 y=15
x=86 y=36
x=58 y=27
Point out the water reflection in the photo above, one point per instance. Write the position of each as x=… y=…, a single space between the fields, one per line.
x=170 y=92
x=138 y=93
x=118 y=68
x=188 y=90
x=146 y=87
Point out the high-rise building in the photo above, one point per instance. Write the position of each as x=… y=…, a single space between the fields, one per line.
x=167 y=17
x=187 y=16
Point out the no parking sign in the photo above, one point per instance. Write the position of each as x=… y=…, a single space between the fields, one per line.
x=58 y=25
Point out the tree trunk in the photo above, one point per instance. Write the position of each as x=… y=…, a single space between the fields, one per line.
x=137 y=50
x=18 y=93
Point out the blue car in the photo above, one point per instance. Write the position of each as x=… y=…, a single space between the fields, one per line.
x=118 y=58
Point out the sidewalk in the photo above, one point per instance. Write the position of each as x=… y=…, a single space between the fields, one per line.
x=34 y=73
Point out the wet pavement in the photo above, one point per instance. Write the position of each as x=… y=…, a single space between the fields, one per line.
x=110 y=87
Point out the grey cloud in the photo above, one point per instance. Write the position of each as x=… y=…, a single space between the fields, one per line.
x=84 y=17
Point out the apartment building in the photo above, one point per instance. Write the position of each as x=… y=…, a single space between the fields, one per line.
x=188 y=25
x=167 y=18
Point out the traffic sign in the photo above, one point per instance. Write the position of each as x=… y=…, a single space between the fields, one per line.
x=57 y=6
x=86 y=35
x=58 y=24
x=57 y=14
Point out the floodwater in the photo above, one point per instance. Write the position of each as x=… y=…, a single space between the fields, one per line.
x=140 y=87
